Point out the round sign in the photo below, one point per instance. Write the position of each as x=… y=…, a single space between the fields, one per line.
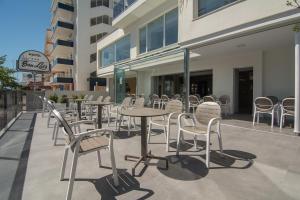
x=33 y=61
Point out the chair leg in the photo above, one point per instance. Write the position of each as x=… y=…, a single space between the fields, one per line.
x=63 y=167
x=195 y=142
x=56 y=134
x=72 y=174
x=129 y=125
x=178 y=142
x=254 y=115
x=220 y=139
x=258 y=118
x=99 y=158
x=165 y=133
x=54 y=129
x=49 y=117
x=272 y=122
x=168 y=138
x=207 y=150
x=113 y=165
x=281 y=120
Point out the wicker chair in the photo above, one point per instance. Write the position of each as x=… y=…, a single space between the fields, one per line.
x=287 y=109
x=155 y=100
x=224 y=102
x=193 y=102
x=82 y=144
x=209 y=98
x=164 y=100
x=174 y=107
x=263 y=105
x=206 y=121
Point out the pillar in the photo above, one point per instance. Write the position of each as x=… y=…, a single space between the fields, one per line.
x=297 y=83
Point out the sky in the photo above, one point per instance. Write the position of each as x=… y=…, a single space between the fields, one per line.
x=23 y=25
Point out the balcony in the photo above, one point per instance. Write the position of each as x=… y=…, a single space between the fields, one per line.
x=62 y=11
x=62 y=29
x=62 y=64
x=128 y=11
x=62 y=4
x=62 y=48
x=62 y=78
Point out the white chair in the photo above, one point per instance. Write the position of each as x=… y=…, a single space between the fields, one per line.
x=206 y=121
x=193 y=102
x=287 y=109
x=263 y=105
x=209 y=98
x=174 y=108
x=224 y=102
x=114 y=110
x=83 y=143
x=156 y=101
x=164 y=100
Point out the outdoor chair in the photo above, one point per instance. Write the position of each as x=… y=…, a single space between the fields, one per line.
x=263 y=105
x=205 y=121
x=139 y=103
x=83 y=143
x=209 y=98
x=155 y=100
x=114 y=110
x=224 y=102
x=287 y=109
x=100 y=98
x=164 y=100
x=177 y=97
x=174 y=108
x=193 y=102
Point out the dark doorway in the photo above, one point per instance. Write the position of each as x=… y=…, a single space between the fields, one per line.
x=244 y=80
x=201 y=83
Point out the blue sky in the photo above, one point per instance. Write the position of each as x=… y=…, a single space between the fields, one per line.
x=23 y=25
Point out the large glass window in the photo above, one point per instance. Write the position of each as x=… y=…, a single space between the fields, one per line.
x=123 y=49
x=116 y=52
x=155 y=34
x=101 y=19
x=206 y=6
x=108 y=55
x=143 y=39
x=171 y=27
x=95 y=3
x=160 y=32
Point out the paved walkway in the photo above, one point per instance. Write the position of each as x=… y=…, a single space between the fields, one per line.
x=14 y=152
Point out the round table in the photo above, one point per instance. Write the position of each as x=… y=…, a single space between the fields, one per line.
x=100 y=105
x=143 y=113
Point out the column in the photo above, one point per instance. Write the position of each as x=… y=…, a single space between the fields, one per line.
x=297 y=83
x=186 y=76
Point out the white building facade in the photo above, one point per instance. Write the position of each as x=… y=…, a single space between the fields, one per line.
x=241 y=48
x=76 y=26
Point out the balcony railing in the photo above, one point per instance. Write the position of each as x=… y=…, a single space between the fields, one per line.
x=63 y=43
x=62 y=79
x=120 y=6
x=61 y=24
x=63 y=61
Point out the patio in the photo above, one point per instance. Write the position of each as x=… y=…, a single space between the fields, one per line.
x=259 y=164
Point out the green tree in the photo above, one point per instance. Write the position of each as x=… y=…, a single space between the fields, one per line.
x=295 y=4
x=7 y=80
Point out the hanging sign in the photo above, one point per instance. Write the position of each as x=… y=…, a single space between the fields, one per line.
x=33 y=61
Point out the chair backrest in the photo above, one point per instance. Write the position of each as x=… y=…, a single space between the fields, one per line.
x=177 y=96
x=288 y=105
x=139 y=102
x=65 y=125
x=174 y=106
x=107 y=99
x=126 y=102
x=263 y=104
x=198 y=95
x=100 y=98
x=224 y=99
x=85 y=97
x=90 y=98
x=164 y=98
x=155 y=97
x=209 y=99
x=206 y=111
x=193 y=99
x=50 y=105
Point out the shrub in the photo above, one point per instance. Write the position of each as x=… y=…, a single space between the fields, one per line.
x=63 y=99
x=53 y=98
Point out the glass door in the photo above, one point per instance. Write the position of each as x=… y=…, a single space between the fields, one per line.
x=120 y=87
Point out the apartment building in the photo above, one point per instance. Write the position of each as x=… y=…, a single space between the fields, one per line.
x=76 y=26
x=240 y=48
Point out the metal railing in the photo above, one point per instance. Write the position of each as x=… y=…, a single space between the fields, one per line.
x=13 y=102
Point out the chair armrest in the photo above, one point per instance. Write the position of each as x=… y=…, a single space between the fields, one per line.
x=79 y=136
x=185 y=115
x=82 y=122
x=212 y=121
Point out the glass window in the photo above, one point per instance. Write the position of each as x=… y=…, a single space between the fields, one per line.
x=171 y=27
x=106 y=3
x=206 y=6
x=123 y=48
x=143 y=40
x=93 y=39
x=93 y=57
x=105 y=19
x=108 y=56
x=155 y=35
x=93 y=3
x=99 y=20
x=93 y=21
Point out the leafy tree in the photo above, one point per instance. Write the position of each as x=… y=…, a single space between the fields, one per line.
x=295 y=4
x=7 y=80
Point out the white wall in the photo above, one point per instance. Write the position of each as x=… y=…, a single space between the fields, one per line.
x=84 y=13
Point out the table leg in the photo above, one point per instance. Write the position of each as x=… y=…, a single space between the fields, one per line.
x=144 y=144
x=79 y=109
x=99 y=116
